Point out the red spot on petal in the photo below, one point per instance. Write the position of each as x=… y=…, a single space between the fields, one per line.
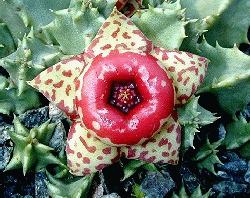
x=169 y=145
x=50 y=69
x=151 y=159
x=59 y=84
x=130 y=22
x=179 y=59
x=126 y=36
x=37 y=80
x=86 y=171
x=62 y=106
x=143 y=155
x=163 y=142
x=122 y=45
x=164 y=56
x=53 y=97
x=88 y=135
x=77 y=83
x=90 y=149
x=183 y=97
x=170 y=128
x=193 y=88
x=131 y=152
x=105 y=25
x=178 y=137
x=115 y=33
x=202 y=59
x=201 y=78
x=69 y=163
x=58 y=67
x=68 y=88
x=49 y=81
x=189 y=54
x=186 y=81
x=107 y=150
x=173 y=152
x=171 y=69
x=79 y=155
x=171 y=161
x=165 y=154
x=69 y=150
x=117 y=22
x=67 y=73
x=108 y=46
x=100 y=157
x=86 y=160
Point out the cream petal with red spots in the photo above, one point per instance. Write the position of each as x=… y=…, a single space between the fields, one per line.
x=87 y=154
x=163 y=147
x=57 y=83
x=118 y=33
x=186 y=69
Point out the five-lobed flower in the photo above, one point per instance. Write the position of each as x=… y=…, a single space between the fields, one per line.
x=121 y=95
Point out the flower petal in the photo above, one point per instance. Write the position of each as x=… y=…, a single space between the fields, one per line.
x=57 y=83
x=163 y=147
x=118 y=33
x=187 y=70
x=87 y=154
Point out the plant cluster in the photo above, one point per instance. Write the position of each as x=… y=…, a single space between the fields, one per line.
x=36 y=34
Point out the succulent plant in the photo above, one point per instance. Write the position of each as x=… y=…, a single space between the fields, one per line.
x=206 y=156
x=192 y=116
x=133 y=165
x=197 y=193
x=35 y=34
x=238 y=136
x=31 y=147
x=119 y=63
x=70 y=186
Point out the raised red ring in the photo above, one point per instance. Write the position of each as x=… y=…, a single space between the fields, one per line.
x=143 y=121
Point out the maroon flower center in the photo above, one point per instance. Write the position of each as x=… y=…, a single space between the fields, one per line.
x=124 y=96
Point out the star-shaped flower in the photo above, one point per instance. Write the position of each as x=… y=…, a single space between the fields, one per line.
x=121 y=95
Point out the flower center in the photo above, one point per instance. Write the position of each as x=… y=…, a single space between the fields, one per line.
x=124 y=96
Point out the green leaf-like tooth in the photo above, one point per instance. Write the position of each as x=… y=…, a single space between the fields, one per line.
x=130 y=168
x=13 y=21
x=137 y=192
x=45 y=132
x=238 y=133
x=27 y=158
x=163 y=25
x=238 y=136
x=74 y=187
x=7 y=44
x=15 y=162
x=19 y=127
x=31 y=147
x=79 y=24
x=31 y=57
x=206 y=156
x=196 y=194
x=228 y=76
x=192 y=116
x=10 y=101
x=234 y=22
